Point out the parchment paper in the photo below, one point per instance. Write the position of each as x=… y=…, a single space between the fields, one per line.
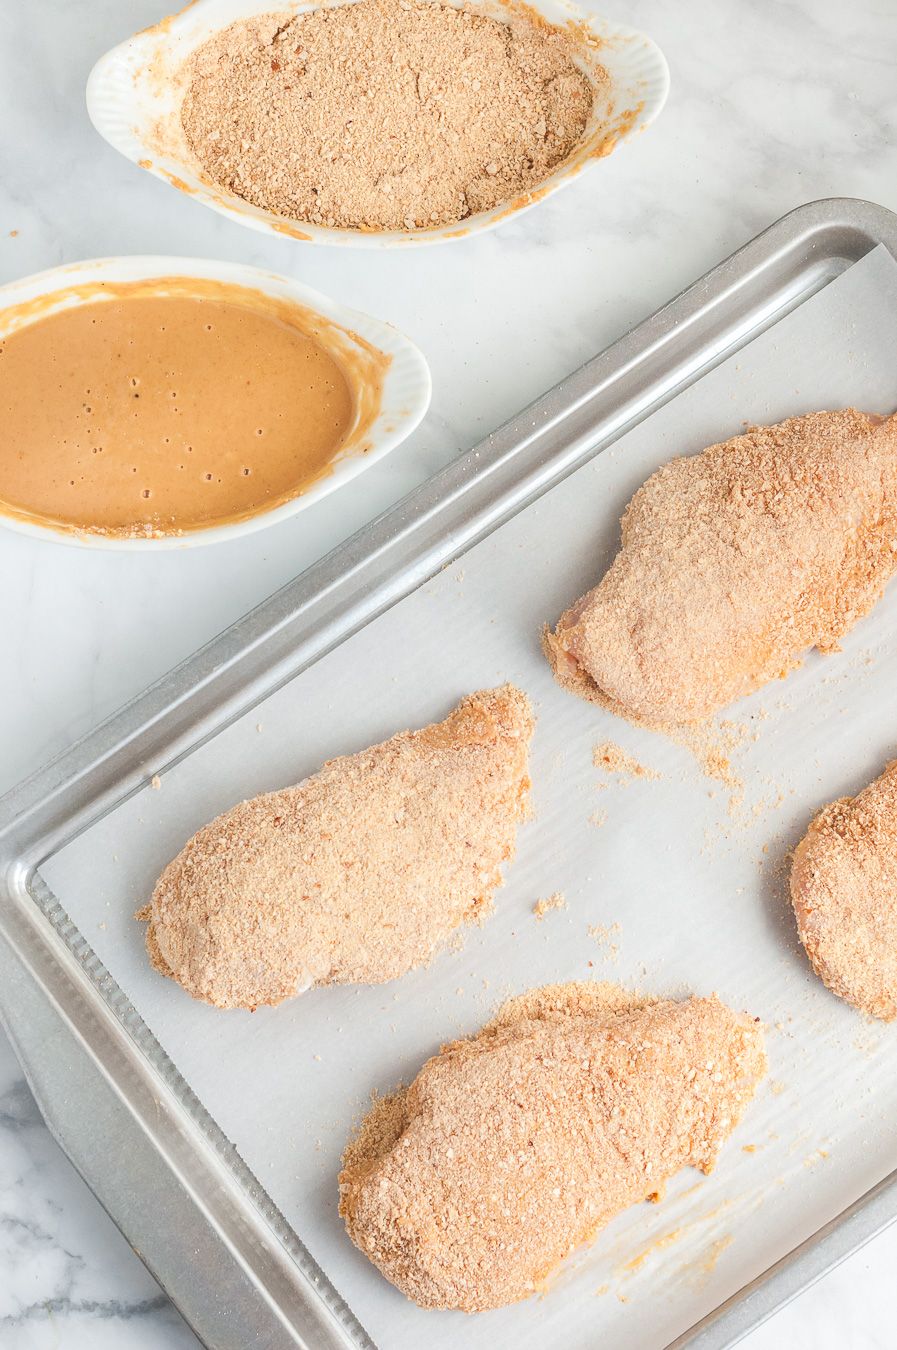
x=696 y=883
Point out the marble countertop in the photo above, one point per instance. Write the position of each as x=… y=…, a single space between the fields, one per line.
x=772 y=105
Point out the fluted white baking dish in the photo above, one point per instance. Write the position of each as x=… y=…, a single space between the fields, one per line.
x=134 y=97
x=404 y=394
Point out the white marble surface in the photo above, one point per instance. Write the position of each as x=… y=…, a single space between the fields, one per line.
x=773 y=104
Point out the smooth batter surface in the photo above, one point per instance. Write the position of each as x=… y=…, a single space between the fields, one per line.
x=154 y=413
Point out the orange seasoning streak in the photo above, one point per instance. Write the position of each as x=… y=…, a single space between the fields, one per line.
x=156 y=407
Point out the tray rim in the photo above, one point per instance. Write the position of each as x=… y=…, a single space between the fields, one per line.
x=375 y=568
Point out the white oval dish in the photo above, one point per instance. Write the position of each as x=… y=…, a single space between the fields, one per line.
x=134 y=97
x=406 y=384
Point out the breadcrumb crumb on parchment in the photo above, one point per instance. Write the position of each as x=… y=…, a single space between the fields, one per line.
x=614 y=759
x=556 y=901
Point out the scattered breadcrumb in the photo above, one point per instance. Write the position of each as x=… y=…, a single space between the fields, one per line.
x=713 y=744
x=604 y=937
x=598 y=818
x=155 y=782
x=556 y=901
x=814 y=1159
x=614 y=759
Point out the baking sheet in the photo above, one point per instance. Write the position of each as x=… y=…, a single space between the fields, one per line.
x=693 y=878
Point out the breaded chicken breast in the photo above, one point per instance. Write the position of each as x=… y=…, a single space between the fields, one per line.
x=844 y=892
x=734 y=563
x=512 y=1148
x=357 y=874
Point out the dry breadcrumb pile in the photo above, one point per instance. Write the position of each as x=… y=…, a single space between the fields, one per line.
x=844 y=891
x=734 y=563
x=383 y=115
x=513 y=1147
x=357 y=874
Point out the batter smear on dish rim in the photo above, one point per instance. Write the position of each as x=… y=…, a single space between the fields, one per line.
x=357 y=874
x=513 y=1147
x=733 y=564
x=385 y=114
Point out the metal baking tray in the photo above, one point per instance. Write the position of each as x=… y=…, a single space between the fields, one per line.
x=171 y=1178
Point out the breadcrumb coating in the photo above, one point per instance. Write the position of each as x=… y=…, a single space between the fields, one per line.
x=513 y=1147
x=844 y=892
x=357 y=874
x=733 y=564
x=387 y=114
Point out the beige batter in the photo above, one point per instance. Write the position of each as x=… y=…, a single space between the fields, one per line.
x=511 y=1148
x=154 y=413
